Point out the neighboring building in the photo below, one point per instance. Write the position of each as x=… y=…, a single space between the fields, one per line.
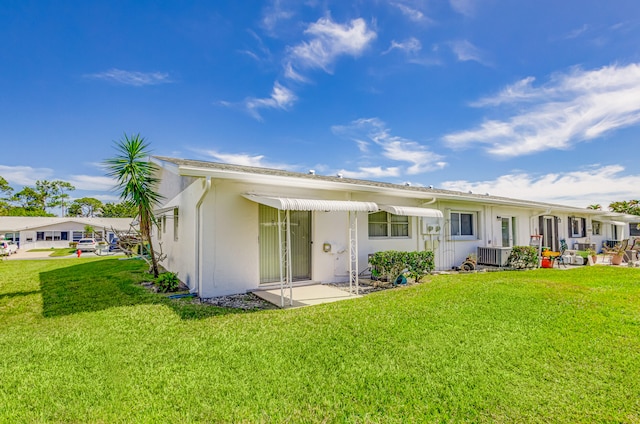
x=219 y=225
x=48 y=232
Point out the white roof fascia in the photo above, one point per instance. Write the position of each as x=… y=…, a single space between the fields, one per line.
x=293 y=204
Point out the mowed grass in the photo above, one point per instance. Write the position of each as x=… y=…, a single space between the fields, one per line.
x=81 y=341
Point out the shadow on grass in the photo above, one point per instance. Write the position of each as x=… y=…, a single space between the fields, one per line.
x=98 y=285
x=16 y=294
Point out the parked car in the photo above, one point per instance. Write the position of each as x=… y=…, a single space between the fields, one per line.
x=8 y=248
x=87 y=245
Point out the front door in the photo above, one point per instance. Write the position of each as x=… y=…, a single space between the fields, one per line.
x=507 y=232
x=550 y=232
x=300 y=228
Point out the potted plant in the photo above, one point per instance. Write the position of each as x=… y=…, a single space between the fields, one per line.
x=618 y=252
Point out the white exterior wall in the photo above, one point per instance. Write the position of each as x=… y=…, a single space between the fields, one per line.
x=227 y=259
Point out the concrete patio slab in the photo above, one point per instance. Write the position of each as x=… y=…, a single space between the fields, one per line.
x=314 y=294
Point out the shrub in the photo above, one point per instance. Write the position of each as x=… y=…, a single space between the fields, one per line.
x=167 y=282
x=523 y=257
x=73 y=244
x=392 y=263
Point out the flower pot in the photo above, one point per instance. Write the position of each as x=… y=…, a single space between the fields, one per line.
x=616 y=259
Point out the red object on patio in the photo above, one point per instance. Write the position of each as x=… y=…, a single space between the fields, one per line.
x=547 y=263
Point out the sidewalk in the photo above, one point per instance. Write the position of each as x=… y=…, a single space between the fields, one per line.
x=24 y=255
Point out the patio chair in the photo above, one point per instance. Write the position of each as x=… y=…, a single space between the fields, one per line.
x=563 y=248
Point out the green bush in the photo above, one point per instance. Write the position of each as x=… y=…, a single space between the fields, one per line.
x=73 y=244
x=167 y=282
x=392 y=263
x=523 y=257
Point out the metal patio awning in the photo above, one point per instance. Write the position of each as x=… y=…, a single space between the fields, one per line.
x=297 y=204
x=412 y=211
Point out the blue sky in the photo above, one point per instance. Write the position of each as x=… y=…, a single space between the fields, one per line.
x=529 y=99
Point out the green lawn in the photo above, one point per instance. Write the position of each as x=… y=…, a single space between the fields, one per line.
x=80 y=341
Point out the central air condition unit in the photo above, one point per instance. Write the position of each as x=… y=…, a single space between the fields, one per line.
x=494 y=256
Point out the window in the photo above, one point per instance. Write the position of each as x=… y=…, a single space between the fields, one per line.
x=175 y=224
x=577 y=227
x=463 y=225
x=387 y=225
x=597 y=228
x=159 y=223
x=77 y=235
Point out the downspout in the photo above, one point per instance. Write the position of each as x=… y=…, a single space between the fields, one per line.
x=198 y=272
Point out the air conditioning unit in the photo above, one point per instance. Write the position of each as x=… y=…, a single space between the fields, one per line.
x=494 y=256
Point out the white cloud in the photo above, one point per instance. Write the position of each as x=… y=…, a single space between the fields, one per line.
x=133 y=78
x=577 y=32
x=330 y=40
x=572 y=108
x=466 y=51
x=281 y=98
x=391 y=147
x=92 y=182
x=24 y=175
x=364 y=172
x=274 y=14
x=594 y=185
x=464 y=7
x=411 y=13
x=411 y=45
x=243 y=159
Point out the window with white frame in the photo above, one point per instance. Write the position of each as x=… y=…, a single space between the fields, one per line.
x=387 y=225
x=175 y=224
x=463 y=225
x=596 y=227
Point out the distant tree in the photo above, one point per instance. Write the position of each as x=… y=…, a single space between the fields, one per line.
x=29 y=199
x=135 y=176
x=85 y=206
x=631 y=207
x=119 y=210
x=596 y=207
x=46 y=194
x=20 y=211
x=5 y=188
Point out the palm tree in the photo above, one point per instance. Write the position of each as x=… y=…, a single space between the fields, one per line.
x=137 y=183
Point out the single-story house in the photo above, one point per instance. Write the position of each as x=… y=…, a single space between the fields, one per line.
x=30 y=232
x=229 y=229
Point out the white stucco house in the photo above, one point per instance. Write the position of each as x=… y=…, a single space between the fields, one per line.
x=219 y=225
x=47 y=232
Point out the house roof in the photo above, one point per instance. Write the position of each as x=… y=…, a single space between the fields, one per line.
x=22 y=223
x=196 y=168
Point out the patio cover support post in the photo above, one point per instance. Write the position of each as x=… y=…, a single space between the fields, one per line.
x=288 y=248
x=353 y=252
x=285 y=257
x=281 y=259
